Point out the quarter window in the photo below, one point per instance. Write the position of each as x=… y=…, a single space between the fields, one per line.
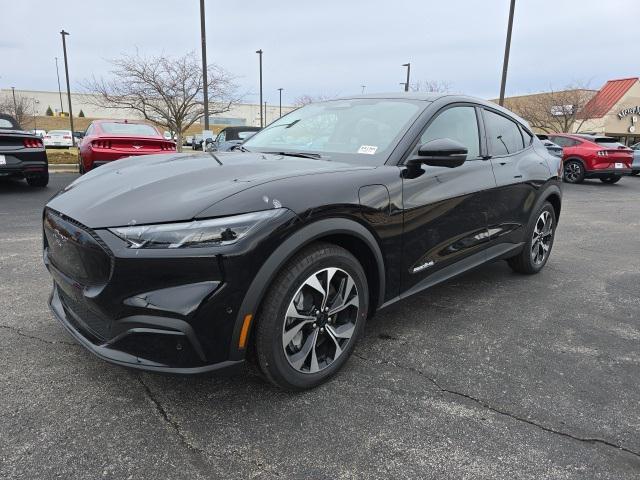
x=503 y=134
x=456 y=123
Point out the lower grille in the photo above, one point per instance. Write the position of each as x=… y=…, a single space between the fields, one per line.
x=85 y=318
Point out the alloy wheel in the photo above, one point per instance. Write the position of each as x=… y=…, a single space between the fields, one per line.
x=320 y=320
x=542 y=237
x=572 y=171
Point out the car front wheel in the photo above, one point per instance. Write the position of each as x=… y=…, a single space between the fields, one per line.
x=573 y=171
x=539 y=242
x=312 y=317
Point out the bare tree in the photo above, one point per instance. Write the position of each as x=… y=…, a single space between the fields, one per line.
x=22 y=110
x=431 y=86
x=165 y=90
x=306 y=99
x=564 y=110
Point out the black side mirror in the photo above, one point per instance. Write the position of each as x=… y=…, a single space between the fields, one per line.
x=442 y=152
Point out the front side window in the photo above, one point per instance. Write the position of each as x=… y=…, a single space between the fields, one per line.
x=456 y=123
x=503 y=135
x=221 y=136
x=363 y=131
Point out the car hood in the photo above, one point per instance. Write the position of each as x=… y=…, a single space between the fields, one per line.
x=174 y=187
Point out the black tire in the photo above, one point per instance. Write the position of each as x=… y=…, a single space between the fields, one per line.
x=635 y=172
x=573 y=171
x=81 y=169
x=270 y=354
x=38 y=180
x=612 y=179
x=525 y=262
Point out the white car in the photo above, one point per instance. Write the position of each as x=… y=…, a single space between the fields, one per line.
x=58 y=138
x=40 y=133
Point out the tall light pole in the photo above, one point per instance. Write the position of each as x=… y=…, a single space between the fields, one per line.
x=259 y=52
x=265 y=113
x=363 y=87
x=59 y=91
x=406 y=85
x=507 y=49
x=66 y=72
x=205 y=85
x=15 y=105
x=280 y=92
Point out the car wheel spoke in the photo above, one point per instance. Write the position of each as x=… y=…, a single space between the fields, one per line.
x=318 y=328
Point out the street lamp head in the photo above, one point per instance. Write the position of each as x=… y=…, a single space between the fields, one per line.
x=406 y=64
x=63 y=33
x=259 y=52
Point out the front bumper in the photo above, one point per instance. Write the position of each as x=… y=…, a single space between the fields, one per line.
x=162 y=310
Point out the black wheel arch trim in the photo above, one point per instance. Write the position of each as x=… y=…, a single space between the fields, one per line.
x=545 y=194
x=293 y=244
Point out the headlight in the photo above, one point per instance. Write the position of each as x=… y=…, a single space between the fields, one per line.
x=199 y=233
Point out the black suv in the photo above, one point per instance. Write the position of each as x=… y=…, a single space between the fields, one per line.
x=281 y=251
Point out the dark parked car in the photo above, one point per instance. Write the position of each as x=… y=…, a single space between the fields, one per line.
x=550 y=146
x=178 y=263
x=593 y=156
x=22 y=154
x=231 y=137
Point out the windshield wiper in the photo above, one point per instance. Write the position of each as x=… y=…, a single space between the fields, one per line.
x=215 y=157
x=297 y=154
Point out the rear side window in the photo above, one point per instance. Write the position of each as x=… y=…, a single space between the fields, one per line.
x=564 y=141
x=503 y=134
x=456 y=123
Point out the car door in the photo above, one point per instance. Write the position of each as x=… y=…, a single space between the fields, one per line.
x=445 y=209
x=519 y=170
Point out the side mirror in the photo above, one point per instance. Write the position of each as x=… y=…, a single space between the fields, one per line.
x=442 y=152
x=210 y=145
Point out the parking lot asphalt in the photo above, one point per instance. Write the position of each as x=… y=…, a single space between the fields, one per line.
x=490 y=375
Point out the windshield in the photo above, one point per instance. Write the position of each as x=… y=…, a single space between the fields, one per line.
x=358 y=131
x=117 y=128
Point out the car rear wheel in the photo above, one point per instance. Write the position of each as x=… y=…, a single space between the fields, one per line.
x=81 y=169
x=536 y=251
x=312 y=317
x=611 y=179
x=635 y=172
x=573 y=171
x=38 y=180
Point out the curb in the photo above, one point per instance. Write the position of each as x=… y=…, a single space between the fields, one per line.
x=63 y=168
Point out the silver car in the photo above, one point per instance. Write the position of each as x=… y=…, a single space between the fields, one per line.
x=635 y=166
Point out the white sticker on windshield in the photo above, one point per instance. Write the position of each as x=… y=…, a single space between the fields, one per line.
x=367 y=149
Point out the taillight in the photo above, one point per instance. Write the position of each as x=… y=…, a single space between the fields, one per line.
x=603 y=153
x=67 y=137
x=101 y=144
x=32 y=143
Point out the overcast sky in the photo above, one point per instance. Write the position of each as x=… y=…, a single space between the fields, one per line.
x=332 y=47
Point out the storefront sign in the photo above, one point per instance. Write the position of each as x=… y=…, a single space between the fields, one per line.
x=628 y=111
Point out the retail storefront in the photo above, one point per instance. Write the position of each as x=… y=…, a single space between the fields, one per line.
x=615 y=111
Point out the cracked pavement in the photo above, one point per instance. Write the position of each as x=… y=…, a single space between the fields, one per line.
x=490 y=375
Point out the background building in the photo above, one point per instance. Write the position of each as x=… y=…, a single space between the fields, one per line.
x=239 y=114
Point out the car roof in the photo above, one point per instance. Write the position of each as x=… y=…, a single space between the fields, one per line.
x=430 y=97
x=241 y=128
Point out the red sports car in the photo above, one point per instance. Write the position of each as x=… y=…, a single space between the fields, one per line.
x=593 y=156
x=108 y=140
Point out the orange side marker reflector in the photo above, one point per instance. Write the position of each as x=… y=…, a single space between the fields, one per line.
x=244 y=333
